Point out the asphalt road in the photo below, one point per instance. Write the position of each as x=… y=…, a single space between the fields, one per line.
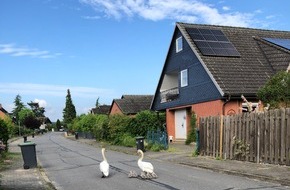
x=71 y=165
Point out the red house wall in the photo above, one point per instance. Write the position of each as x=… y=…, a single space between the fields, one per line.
x=115 y=109
x=212 y=108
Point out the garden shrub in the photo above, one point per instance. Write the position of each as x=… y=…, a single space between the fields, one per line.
x=117 y=126
x=191 y=137
x=276 y=91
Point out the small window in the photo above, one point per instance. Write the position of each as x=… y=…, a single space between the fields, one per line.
x=184 y=77
x=178 y=44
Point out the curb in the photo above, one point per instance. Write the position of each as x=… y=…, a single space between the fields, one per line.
x=238 y=173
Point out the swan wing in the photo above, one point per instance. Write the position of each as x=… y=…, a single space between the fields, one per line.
x=146 y=166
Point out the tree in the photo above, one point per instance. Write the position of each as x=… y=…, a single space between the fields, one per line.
x=37 y=110
x=276 y=91
x=28 y=119
x=58 y=124
x=69 y=112
x=97 y=103
x=18 y=107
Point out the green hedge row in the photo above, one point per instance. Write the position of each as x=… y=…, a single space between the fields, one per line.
x=118 y=129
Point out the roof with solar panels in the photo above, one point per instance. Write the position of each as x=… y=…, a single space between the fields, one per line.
x=239 y=59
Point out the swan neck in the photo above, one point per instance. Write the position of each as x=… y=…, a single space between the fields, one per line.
x=103 y=154
x=142 y=156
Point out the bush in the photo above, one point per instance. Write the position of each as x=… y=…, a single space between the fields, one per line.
x=276 y=91
x=101 y=127
x=155 y=147
x=128 y=140
x=145 y=121
x=4 y=133
x=191 y=137
x=117 y=126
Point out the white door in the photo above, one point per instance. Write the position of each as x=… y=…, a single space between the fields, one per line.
x=180 y=124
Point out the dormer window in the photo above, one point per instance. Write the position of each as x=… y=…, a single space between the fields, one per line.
x=184 y=77
x=179 y=44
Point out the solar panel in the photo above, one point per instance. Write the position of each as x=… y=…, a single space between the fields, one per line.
x=212 y=42
x=285 y=43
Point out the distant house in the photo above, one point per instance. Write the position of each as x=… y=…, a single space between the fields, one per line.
x=131 y=104
x=3 y=112
x=208 y=68
x=103 y=109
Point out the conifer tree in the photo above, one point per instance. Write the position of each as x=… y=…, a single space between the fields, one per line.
x=18 y=107
x=69 y=112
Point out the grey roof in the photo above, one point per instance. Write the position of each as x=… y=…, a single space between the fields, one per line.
x=103 y=109
x=259 y=58
x=2 y=109
x=132 y=104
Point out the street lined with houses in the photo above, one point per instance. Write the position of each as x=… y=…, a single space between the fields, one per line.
x=71 y=164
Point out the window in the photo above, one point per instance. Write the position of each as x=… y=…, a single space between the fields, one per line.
x=178 y=44
x=184 y=77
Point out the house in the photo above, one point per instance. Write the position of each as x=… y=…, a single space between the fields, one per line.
x=103 y=109
x=3 y=112
x=209 y=68
x=131 y=104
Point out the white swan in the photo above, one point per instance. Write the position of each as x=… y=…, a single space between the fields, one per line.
x=146 y=167
x=104 y=165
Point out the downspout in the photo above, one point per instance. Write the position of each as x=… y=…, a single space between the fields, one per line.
x=224 y=104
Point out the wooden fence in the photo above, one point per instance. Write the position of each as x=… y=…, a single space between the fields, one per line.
x=255 y=137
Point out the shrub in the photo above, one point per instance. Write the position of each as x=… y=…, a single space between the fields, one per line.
x=155 y=147
x=145 y=121
x=4 y=133
x=191 y=137
x=101 y=127
x=117 y=127
x=128 y=140
x=277 y=90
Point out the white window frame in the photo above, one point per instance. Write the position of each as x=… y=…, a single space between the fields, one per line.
x=184 y=78
x=179 y=44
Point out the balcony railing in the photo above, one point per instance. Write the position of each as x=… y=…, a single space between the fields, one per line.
x=169 y=95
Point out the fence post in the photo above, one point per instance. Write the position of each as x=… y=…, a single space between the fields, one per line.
x=258 y=138
x=221 y=137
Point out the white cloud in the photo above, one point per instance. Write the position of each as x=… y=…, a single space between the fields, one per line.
x=91 y=17
x=41 y=103
x=16 y=51
x=226 y=8
x=53 y=90
x=179 y=10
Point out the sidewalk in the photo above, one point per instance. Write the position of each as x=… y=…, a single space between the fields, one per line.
x=182 y=154
x=18 y=178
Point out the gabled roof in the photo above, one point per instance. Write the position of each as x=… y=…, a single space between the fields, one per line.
x=132 y=104
x=103 y=109
x=2 y=109
x=245 y=74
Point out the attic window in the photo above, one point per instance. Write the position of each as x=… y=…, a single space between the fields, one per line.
x=179 y=44
x=212 y=42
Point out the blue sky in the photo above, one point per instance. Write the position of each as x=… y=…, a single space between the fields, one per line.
x=104 y=48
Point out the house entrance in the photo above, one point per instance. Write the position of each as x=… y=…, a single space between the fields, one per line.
x=180 y=124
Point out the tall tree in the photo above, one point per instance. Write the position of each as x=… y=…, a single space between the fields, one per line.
x=97 y=103
x=69 y=112
x=37 y=110
x=58 y=124
x=18 y=107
